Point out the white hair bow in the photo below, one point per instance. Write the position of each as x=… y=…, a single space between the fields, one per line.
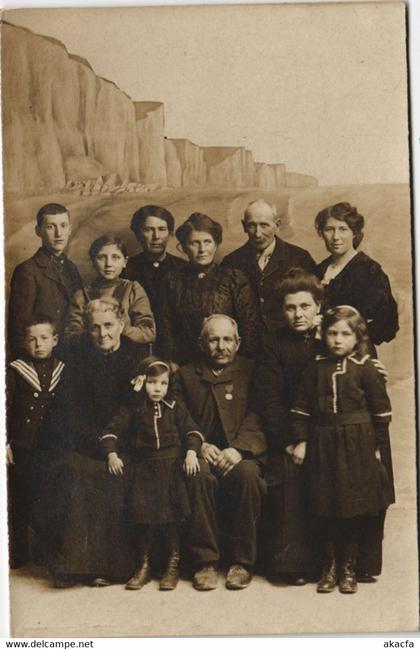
x=138 y=382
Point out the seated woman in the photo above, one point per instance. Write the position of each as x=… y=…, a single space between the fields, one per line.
x=80 y=513
x=109 y=258
x=351 y=277
x=200 y=289
x=288 y=544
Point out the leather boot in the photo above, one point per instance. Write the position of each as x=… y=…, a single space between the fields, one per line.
x=171 y=577
x=141 y=577
x=348 y=581
x=329 y=575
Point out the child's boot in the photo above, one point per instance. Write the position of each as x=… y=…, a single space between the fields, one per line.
x=171 y=577
x=348 y=582
x=142 y=575
x=329 y=576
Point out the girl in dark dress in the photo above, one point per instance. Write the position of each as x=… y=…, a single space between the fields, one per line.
x=342 y=414
x=155 y=427
x=351 y=277
x=200 y=289
x=288 y=548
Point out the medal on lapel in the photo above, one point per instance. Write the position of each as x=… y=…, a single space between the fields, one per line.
x=229 y=391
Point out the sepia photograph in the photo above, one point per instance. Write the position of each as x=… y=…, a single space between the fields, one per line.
x=210 y=422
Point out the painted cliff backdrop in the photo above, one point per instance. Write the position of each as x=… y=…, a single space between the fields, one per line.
x=207 y=108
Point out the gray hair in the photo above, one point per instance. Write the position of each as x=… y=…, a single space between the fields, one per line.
x=207 y=321
x=261 y=201
x=103 y=305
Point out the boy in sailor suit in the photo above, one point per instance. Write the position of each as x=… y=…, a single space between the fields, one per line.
x=31 y=386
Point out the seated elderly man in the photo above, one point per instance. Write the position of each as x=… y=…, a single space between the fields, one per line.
x=216 y=390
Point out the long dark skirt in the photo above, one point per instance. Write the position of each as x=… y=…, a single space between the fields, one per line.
x=287 y=521
x=80 y=518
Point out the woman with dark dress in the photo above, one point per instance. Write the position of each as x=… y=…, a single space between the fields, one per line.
x=288 y=548
x=153 y=227
x=351 y=277
x=200 y=289
x=81 y=510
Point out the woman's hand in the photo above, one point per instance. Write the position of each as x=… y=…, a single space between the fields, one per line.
x=378 y=454
x=381 y=368
x=9 y=456
x=299 y=453
x=289 y=449
x=191 y=464
x=115 y=464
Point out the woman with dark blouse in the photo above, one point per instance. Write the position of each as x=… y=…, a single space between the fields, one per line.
x=351 y=277
x=288 y=544
x=200 y=289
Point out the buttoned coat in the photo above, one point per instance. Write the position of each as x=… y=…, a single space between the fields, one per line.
x=28 y=404
x=37 y=288
x=240 y=423
x=285 y=256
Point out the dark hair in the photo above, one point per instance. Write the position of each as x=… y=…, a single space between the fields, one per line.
x=342 y=212
x=298 y=279
x=141 y=215
x=201 y=223
x=107 y=240
x=40 y=318
x=48 y=209
x=355 y=321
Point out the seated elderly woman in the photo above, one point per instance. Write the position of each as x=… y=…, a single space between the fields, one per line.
x=109 y=258
x=200 y=289
x=81 y=510
x=351 y=277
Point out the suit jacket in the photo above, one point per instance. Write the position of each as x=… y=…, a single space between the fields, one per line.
x=37 y=287
x=285 y=256
x=227 y=397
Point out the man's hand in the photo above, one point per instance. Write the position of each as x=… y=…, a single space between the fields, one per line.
x=289 y=449
x=9 y=456
x=378 y=454
x=227 y=460
x=115 y=464
x=210 y=452
x=299 y=453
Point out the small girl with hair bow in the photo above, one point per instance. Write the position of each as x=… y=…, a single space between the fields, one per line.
x=153 y=428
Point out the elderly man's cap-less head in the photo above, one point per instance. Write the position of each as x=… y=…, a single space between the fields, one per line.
x=261 y=223
x=219 y=340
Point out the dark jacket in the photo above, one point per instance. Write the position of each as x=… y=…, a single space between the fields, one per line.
x=38 y=287
x=285 y=256
x=31 y=391
x=188 y=296
x=151 y=427
x=279 y=372
x=151 y=276
x=363 y=284
x=225 y=397
x=95 y=387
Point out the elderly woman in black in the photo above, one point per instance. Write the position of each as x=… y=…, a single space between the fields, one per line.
x=351 y=277
x=81 y=511
x=200 y=289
